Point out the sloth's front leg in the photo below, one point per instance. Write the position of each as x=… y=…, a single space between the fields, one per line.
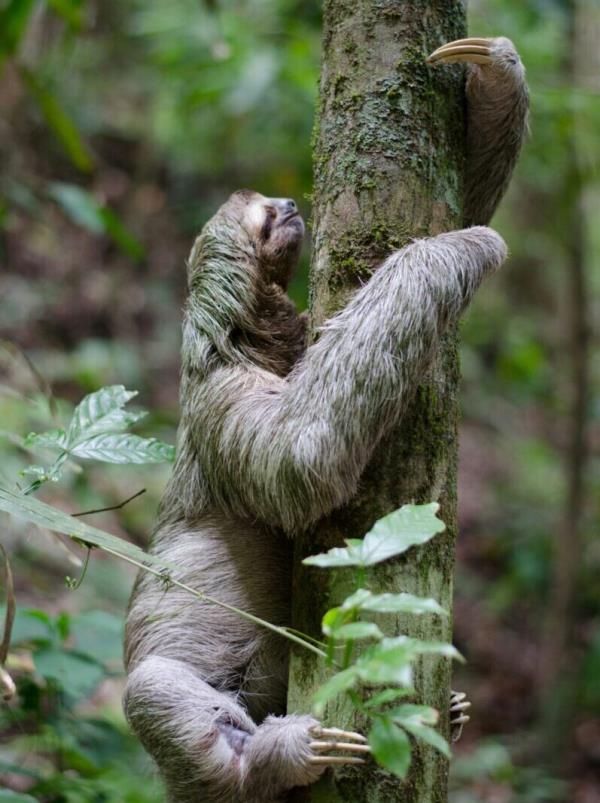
x=497 y=108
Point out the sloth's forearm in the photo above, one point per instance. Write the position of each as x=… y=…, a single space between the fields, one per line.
x=497 y=109
x=291 y=452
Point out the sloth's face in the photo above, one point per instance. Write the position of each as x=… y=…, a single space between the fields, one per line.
x=277 y=230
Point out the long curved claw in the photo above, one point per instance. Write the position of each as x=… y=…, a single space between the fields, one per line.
x=332 y=761
x=335 y=739
x=458 y=704
x=473 y=49
x=346 y=746
x=335 y=733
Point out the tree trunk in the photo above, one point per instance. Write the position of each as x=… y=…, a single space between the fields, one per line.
x=560 y=663
x=389 y=152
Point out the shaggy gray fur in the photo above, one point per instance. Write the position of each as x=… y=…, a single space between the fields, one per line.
x=497 y=111
x=272 y=437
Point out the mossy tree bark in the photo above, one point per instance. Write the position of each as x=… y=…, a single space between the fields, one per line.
x=389 y=153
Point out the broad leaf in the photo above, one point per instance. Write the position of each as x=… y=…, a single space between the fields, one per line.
x=386 y=662
x=414 y=715
x=431 y=648
x=364 y=600
x=76 y=674
x=358 y=630
x=83 y=209
x=31 y=625
x=124 y=448
x=390 y=660
x=7 y=796
x=99 y=635
x=394 y=534
x=333 y=619
x=429 y=736
x=53 y=439
x=390 y=536
x=331 y=688
x=336 y=558
x=386 y=696
x=390 y=746
x=99 y=412
x=78 y=204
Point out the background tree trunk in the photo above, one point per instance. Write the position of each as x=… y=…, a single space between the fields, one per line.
x=389 y=150
x=560 y=651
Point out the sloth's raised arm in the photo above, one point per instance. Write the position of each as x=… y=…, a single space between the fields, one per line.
x=290 y=450
x=497 y=109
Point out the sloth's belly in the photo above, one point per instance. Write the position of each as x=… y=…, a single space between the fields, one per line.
x=235 y=563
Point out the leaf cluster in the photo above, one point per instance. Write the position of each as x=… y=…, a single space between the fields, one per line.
x=386 y=666
x=96 y=432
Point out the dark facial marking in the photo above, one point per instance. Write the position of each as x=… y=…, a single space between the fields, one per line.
x=267 y=227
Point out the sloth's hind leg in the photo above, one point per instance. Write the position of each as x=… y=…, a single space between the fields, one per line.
x=210 y=751
x=195 y=733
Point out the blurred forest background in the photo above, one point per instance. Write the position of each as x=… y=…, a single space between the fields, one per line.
x=123 y=125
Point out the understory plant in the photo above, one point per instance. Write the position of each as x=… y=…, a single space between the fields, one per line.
x=373 y=670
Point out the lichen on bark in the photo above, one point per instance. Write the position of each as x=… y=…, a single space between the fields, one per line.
x=388 y=163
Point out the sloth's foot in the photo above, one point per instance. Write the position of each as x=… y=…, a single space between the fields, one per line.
x=458 y=719
x=327 y=740
x=498 y=51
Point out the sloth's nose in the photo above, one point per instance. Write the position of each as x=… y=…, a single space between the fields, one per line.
x=290 y=205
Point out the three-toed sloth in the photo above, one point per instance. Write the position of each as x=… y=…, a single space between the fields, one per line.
x=275 y=435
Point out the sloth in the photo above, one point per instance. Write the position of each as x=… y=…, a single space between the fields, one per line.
x=273 y=436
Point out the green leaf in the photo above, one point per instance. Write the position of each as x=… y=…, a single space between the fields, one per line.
x=99 y=635
x=386 y=696
x=392 y=603
x=394 y=534
x=355 y=601
x=390 y=536
x=74 y=673
x=336 y=558
x=79 y=205
x=14 y=18
x=84 y=210
x=6 y=796
x=333 y=619
x=390 y=660
x=358 y=630
x=52 y=439
x=59 y=122
x=69 y=10
x=53 y=519
x=331 y=688
x=430 y=736
x=432 y=648
x=119 y=234
x=386 y=662
x=414 y=714
x=100 y=412
x=390 y=746
x=124 y=448
x=30 y=625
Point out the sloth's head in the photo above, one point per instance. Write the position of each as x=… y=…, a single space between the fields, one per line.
x=274 y=228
